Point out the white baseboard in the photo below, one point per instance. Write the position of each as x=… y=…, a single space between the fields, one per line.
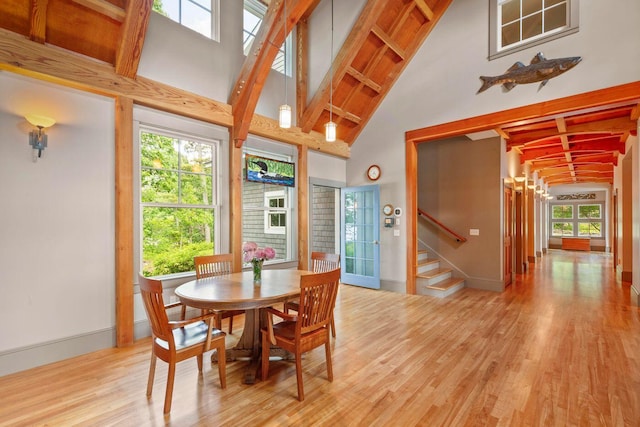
x=28 y=357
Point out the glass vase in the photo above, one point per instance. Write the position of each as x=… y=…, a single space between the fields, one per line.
x=257 y=270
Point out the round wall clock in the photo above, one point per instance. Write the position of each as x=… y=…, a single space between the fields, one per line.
x=373 y=173
x=387 y=209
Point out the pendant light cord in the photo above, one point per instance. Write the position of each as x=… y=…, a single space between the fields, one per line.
x=331 y=70
x=285 y=52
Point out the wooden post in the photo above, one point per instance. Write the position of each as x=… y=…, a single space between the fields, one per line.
x=124 y=220
x=303 y=209
x=411 y=185
x=235 y=200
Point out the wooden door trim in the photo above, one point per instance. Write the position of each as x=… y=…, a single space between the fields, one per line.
x=593 y=99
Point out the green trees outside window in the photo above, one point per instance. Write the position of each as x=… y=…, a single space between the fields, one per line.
x=177 y=202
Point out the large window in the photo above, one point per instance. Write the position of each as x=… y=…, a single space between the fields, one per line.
x=177 y=200
x=584 y=220
x=202 y=16
x=253 y=15
x=517 y=24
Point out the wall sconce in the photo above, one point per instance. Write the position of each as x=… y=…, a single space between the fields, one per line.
x=37 y=138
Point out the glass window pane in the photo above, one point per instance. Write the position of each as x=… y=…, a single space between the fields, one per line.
x=511 y=33
x=549 y=3
x=532 y=26
x=172 y=9
x=196 y=157
x=195 y=189
x=561 y=211
x=158 y=186
x=510 y=11
x=555 y=17
x=531 y=6
x=158 y=151
x=204 y=4
x=171 y=237
x=589 y=212
x=196 y=18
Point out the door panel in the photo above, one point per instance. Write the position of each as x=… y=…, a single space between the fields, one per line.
x=360 y=235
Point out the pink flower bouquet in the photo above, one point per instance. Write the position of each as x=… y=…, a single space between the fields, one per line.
x=256 y=256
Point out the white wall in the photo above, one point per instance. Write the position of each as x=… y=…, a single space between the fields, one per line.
x=440 y=85
x=57 y=216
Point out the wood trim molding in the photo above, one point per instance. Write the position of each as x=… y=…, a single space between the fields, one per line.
x=615 y=94
x=612 y=95
x=23 y=56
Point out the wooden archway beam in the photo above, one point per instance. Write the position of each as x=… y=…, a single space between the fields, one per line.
x=616 y=94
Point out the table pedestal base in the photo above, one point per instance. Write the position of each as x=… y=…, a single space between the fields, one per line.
x=249 y=348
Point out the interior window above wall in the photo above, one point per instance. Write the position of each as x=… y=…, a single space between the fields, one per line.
x=202 y=16
x=254 y=12
x=518 y=24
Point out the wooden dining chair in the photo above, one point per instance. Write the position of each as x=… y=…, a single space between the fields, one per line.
x=309 y=328
x=175 y=341
x=320 y=262
x=217 y=265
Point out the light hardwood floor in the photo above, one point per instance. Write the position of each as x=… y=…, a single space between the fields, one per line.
x=560 y=347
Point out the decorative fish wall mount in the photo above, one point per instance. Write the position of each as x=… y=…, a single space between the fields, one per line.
x=541 y=69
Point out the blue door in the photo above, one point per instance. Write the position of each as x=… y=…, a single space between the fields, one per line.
x=360 y=235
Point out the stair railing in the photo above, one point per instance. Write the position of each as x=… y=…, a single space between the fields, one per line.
x=455 y=235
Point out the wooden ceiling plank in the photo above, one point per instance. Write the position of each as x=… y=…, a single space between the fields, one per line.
x=38 y=21
x=386 y=39
x=132 y=36
x=105 y=8
x=22 y=56
x=425 y=9
x=361 y=29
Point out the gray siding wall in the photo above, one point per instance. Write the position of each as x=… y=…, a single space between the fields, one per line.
x=323 y=219
x=253 y=220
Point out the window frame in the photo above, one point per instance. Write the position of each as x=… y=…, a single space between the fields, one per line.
x=177 y=126
x=269 y=211
x=214 y=13
x=575 y=221
x=495 y=33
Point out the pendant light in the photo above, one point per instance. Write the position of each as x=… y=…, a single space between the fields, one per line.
x=330 y=126
x=284 y=116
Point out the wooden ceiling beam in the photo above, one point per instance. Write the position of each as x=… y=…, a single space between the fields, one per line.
x=617 y=125
x=425 y=29
x=386 y=39
x=132 y=35
x=364 y=79
x=361 y=29
x=425 y=9
x=257 y=65
x=38 y=20
x=105 y=8
x=22 y=56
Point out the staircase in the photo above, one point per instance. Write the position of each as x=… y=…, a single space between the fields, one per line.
x=435 y=281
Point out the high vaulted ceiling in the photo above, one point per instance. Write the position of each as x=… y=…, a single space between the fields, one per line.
x=575 y=147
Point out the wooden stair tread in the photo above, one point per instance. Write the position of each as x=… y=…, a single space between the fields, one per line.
x=428 y=261
x=430 y=274
x=446 y=284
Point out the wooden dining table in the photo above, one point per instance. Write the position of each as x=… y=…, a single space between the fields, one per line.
x=237 y=291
